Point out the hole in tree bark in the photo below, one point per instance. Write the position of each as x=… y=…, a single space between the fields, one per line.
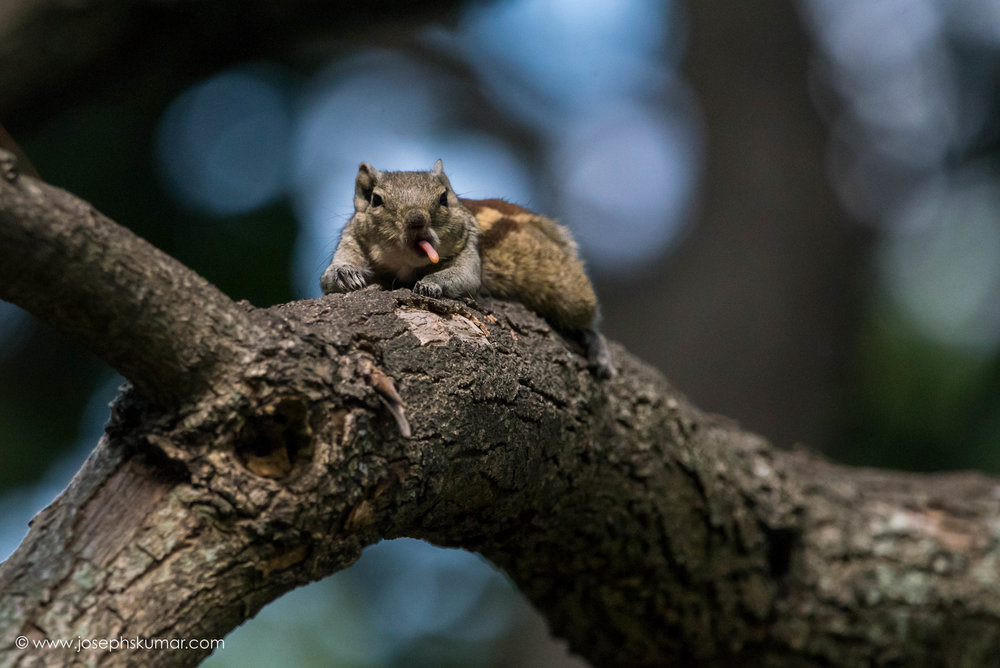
x=275 y=439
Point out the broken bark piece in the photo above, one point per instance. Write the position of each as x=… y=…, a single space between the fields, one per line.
x=385 y=389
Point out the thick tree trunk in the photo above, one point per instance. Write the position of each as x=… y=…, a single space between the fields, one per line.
x=257 y=451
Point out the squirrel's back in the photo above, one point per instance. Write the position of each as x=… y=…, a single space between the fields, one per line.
x=533 y=259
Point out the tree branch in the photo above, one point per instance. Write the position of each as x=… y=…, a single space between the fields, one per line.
x=647 y=532
x=156 y=322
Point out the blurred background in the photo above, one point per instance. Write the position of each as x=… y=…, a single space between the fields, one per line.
x=790 y=208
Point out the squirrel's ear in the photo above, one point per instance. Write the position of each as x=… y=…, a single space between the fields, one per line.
x=438 y=173
x=368 y=176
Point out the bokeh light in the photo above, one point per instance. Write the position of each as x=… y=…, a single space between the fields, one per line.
x=914 y=119
x=382 y=612
x=627 y=183
x=223 y=145
x=940 y=261
x=549 y=60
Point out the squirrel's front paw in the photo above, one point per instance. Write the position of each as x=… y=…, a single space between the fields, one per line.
x=428 y=289
x=343 y=278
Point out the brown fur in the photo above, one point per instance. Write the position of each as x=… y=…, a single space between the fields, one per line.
x=495 y=233
x=501 y=205
x=531 y=258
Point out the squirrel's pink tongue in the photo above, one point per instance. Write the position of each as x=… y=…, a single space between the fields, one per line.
x=426 y=247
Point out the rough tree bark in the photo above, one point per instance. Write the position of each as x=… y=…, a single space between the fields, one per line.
x=256 y=451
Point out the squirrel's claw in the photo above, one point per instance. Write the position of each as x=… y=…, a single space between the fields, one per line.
x=343 y=278
x=427 y=289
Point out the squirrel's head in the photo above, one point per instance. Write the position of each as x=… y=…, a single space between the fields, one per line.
x=414 y=211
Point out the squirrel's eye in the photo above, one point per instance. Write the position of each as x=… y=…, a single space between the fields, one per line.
x=443 y=201
x=376 y=199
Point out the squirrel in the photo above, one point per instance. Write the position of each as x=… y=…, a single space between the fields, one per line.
x=411 y=228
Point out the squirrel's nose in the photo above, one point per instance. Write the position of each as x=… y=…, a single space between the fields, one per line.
x=416 y=220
